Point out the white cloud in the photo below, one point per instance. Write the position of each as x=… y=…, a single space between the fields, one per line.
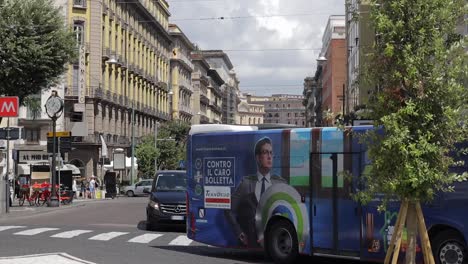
x=303 y=31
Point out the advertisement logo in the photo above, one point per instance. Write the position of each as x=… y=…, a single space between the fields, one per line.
x=201 y=212
x=217 y=197
x=198 y=189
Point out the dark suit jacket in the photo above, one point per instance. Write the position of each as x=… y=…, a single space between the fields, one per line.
x=244 y=206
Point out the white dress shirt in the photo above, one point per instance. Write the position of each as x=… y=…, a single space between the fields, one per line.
x=258 y=185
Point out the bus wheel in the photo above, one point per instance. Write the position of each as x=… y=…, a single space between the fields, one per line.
x=281 y=242
x=449 y=248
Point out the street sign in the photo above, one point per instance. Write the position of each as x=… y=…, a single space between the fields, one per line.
x=119 y=161
x=62 y=137
x=9 y=106
x=15 y=133
x=59 y=134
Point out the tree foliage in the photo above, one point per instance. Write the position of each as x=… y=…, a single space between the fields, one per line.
x=169 y=151
x=35 y=46
x=419 y=65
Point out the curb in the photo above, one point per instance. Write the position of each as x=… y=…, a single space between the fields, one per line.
x=34 y=212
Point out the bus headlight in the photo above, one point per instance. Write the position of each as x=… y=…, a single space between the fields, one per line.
x=154 y=205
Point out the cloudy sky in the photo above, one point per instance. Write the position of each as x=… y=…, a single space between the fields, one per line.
x=256 y=34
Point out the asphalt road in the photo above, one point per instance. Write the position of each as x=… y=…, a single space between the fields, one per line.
x=106 y=232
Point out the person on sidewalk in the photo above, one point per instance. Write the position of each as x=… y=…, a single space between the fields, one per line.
x=92 y=187
x=83 y=189
x=74 y=188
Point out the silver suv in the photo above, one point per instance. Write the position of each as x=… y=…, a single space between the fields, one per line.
x=137 y=188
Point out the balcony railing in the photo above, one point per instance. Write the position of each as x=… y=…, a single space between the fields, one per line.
x=105 y=53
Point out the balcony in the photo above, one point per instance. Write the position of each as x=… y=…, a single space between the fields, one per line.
x=105 y=53
x=105 y=9
x=185 y=109
x=95 y=92
x=131 y=68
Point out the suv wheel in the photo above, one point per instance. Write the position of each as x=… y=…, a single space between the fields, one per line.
x=130 y=194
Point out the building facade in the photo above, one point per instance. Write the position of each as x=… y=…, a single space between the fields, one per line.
x=249 y=113
x=220 y=62
x=181 y=75
x=334 y=68
x=359 y=37
x=201 y=90
x=118 y=88
x=281 y=108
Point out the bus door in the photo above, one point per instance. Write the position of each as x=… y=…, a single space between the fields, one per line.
x=336 y=221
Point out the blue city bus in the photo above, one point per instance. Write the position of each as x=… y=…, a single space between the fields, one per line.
x=284 y=191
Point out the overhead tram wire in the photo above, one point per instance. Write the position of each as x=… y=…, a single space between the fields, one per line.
x=249 y=17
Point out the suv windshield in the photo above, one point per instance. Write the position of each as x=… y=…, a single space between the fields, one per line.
x=170 y=182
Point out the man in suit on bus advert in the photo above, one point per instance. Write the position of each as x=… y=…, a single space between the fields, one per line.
x=245 y=199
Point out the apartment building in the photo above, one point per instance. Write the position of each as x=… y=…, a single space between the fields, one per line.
x=281 y=108
x=249 y=113
x=359 y=37
x=219 y=61
x=201 y=86
x=181 y=75
x=334 y=67
x=118 y=88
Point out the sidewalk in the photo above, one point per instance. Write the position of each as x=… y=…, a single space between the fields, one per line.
x=28 y=210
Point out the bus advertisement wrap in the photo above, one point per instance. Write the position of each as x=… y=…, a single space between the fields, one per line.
x=252 y=189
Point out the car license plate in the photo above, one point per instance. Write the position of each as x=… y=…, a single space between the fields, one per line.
x=177 y=217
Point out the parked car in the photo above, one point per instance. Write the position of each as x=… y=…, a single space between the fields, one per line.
x=137 y=188
x=166 y=203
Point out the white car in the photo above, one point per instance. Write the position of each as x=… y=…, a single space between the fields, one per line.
x=137 y=188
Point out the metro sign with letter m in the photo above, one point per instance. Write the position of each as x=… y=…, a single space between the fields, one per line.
x=9 y=106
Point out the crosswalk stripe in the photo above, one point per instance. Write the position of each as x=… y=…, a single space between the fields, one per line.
x=35 y=231
x=70 y=234
x=3 y=228
x=107 y=236
x=144 y=238
x=181 y=241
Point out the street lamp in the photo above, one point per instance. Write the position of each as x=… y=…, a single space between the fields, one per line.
x=54 y=108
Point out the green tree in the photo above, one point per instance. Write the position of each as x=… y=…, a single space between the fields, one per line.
x=170 y=148
x=419 y=65
x=35 y=46
x=33 y=104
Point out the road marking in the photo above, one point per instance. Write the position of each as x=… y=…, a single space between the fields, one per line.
x=35 y=231
x=3 y=228
x=181 y=241
x=144 y=238
x=46 y=258
x=70 y=234
x=108 y=236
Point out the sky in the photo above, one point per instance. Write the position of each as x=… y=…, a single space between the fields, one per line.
x=252 y=28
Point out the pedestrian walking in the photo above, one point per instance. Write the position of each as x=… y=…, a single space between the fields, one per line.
x=92 y=187
x=74 y=188
x=83 y=189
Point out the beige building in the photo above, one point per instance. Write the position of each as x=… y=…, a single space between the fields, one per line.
x=181 y=75
x=118 y=88
x=229 y=83
x=281 y=108
x=249 y=113
x=207 y=97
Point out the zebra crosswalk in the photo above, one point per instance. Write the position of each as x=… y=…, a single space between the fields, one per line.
x=137 y=237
